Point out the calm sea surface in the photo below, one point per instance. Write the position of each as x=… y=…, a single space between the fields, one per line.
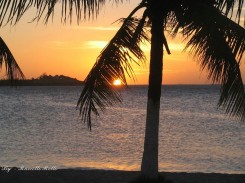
x=40 y=126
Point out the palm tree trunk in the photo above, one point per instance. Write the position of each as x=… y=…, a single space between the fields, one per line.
x=149 y=165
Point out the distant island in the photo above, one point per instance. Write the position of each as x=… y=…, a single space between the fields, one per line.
x=44 y=80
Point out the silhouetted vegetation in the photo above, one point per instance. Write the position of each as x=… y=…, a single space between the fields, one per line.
x=45 y=80
x=13 y=71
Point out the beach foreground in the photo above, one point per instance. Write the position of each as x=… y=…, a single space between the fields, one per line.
x=109 y=176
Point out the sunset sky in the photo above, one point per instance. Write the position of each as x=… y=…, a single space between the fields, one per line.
x=72 y=49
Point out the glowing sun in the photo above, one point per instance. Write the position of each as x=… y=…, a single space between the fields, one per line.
x=117 y=82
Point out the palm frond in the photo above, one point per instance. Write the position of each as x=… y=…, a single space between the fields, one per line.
x=228 y=7
x=219 y=44
x=117 y=57
x=170 y=23
x=13 y=10
x=13 y=71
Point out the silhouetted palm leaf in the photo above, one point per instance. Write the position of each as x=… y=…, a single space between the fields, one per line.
x=12 y=69
x=117 y=57
x=225 y=6
x=229 y=5
x=11 y=11
x=219 y=44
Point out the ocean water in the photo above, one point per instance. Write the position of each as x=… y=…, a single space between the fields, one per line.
x=40 y=127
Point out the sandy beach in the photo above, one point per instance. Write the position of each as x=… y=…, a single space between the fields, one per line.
x=110 y=176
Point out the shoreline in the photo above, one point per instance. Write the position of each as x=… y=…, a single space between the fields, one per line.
x=109 y=176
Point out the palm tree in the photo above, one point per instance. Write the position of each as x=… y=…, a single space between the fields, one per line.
x=13 y=71
x=217 y=41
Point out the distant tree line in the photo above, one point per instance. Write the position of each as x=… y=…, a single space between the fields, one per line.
x=44 y=80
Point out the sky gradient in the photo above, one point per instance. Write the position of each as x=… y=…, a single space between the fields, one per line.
x=72 y=49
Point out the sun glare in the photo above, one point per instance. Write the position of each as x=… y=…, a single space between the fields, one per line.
x=117 y=82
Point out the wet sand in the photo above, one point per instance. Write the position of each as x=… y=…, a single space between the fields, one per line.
x=110 y=176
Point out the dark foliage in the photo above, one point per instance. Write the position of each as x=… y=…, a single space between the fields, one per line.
x=218 y=43
x=123 y=50
x=13 y=10
x=13 y=71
